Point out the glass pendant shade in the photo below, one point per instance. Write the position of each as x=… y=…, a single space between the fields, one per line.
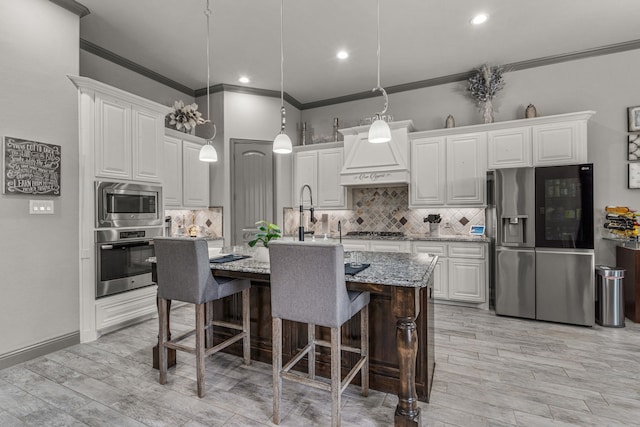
x=379 y=132
x=208 y=153
x=282 y=144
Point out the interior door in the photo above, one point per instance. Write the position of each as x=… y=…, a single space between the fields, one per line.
x=253 y=198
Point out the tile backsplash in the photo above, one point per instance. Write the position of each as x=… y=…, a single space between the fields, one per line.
x=209 y=221
x=385 y=209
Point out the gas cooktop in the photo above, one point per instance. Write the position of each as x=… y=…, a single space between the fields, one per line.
x=376 y=233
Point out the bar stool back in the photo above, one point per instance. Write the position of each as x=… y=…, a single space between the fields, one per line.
x=184 y=274
x=308 y=286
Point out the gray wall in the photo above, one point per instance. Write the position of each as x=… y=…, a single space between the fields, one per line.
x=115 y=75
x=39 y=254
x=605 y=84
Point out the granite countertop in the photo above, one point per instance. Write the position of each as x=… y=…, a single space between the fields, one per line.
x=409 y=237
x=184 y=236
x=394 y=269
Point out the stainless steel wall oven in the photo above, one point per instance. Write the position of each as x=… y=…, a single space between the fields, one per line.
x=121 y=256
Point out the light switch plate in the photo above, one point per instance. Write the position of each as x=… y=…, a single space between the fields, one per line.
x=41 y=207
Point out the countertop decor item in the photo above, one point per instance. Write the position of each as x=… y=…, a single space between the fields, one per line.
x=450 y=122
x=266 y=233
x=530 y=112
x=185 y=117
x=483 y=85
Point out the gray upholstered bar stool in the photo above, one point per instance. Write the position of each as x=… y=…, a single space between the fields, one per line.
x=184 y=274
x=308 y=286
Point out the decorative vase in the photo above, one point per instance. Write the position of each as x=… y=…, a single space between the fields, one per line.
x=261 y=254
x=530 y=112
x=487 y=111
x=450 y=122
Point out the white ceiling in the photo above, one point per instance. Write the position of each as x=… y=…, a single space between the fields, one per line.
x=421 y=39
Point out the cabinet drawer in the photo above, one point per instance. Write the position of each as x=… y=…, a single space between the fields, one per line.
x=432 y=248
x=467 y=250
x=378 y=246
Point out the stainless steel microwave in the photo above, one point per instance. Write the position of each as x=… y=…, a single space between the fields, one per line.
x=122 y=204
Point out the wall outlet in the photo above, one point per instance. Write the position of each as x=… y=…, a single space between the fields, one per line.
x=447 y=224
x=41 y=207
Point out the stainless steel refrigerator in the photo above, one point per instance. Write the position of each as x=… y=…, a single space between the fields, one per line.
x=544 y=260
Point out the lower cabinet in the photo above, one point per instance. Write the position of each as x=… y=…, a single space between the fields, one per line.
x=376 y=245
x=461 y=271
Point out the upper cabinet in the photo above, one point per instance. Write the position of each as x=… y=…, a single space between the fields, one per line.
x=122 y=132
x=185 y=180
x=319 y=167
x=509 y=148
x=560 y=143
x=448 y=170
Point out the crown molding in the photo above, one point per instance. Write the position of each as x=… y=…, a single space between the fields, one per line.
x=72 y=6
x=103 y=53
x=421 y=84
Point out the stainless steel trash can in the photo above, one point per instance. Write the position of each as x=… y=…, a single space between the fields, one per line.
x=609 y=296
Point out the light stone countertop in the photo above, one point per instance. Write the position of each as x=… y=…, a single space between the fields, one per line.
x=394 y=269
x=409 y=237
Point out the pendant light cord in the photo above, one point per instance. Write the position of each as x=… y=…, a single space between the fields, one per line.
x=207 y=13
x=378 y=87
x=282 y=110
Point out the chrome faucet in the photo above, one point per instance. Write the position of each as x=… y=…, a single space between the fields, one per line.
x=312 y=219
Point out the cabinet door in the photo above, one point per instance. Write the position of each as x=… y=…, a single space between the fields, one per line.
x=305 y=171
x=113 y=138
x=467 y=279
x=509 y=148
x=390 y=246
x=428 y=179
x=195 y=177
x=330 y=193
x=466 y=169
x=147 y=132
x=560 y=143
x=172 y=171
x=441 y=279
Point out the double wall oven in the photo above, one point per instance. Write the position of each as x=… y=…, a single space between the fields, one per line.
x=128 y=218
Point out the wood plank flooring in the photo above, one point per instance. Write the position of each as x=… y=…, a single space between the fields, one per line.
x=490 y=371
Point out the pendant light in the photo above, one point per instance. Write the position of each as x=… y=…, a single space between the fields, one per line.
x=208 y=151
x=379 y=131
x=282 y=142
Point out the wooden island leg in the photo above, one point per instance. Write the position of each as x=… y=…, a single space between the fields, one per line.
x=406 y=308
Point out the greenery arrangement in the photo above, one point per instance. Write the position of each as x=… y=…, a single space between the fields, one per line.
x=266 y=233
x=186 y=116
x=485 y=83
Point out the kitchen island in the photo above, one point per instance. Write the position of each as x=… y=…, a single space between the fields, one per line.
x=401 y=346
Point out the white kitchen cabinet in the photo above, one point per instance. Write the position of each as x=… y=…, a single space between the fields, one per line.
x=466 y=168
x=390 y=246
x=509 y=148
x=355 y=245
x=185 y=177
x=467 y=280
x=319 y=168
x=128 y=140
x=560 y=143
x=461 y=271
x=428 y=172
x=195 y=176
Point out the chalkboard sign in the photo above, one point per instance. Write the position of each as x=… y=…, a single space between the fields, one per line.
x=31 y=167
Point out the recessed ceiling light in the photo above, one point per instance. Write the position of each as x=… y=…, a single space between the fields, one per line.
x=480 y=18
x=244 y=79
x=343 y=54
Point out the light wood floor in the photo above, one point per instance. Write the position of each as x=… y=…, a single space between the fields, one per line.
x=491 y=371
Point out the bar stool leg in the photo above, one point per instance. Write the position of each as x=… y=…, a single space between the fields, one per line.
x=311 y=339
x=364 y=348
x=335 y=377
x=200 y=348
x=276 y=351
x=162 y=339
x=246 y=326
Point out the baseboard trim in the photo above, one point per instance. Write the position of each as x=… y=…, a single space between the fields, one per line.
x=39 y=349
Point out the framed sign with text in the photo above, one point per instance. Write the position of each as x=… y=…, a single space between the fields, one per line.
x=30 y=167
